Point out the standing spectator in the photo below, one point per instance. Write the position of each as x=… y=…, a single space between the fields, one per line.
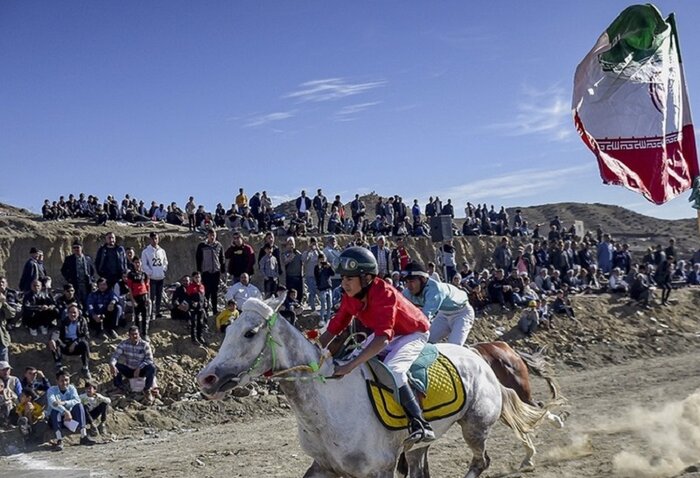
x=448 y=260
x=671 y=249
x=110 y=261
x=65 y=408
x=191 y=209
x=383 y=256
x=133 y=358
x=415 y=210
x=7 y=313
x=38 y=309
x=323 y=275
x=663 y=278
x=293 y=266
x=241 y=257
x=400 y=256
x=270 y=271
x=448 y=209
x=196 y=297
x=502 y=256
x=332 y=252
x=320 y=204
x=309 y=259
x=139 y=286
x=303 y=205
x=33 y=270
x=605 y=255
x=429 y=209
x=241 y=291
x=358 y=210
x=104 y=310
x=210 y=263
x=79 y=271
x=71 y=338
x=154 y=262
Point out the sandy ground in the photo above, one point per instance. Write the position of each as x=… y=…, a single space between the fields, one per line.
x=641 y=419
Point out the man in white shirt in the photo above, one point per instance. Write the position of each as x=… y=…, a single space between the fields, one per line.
x=154 y=261
x=242 y=291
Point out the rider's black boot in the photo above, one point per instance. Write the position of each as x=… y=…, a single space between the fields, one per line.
x=419 y=430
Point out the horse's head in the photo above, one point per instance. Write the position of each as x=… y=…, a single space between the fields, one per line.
x=245 y=352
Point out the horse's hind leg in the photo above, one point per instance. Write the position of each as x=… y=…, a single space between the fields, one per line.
x=417 y=460
x=476 y=436
x=315 y=471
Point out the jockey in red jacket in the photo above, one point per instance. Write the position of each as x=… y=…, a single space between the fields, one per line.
x=400 y=330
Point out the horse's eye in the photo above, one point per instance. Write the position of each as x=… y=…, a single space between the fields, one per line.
x=250 y=334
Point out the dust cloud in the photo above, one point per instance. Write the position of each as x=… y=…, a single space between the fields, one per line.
x=671 y=433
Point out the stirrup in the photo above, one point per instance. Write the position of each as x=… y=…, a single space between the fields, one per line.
x=419 y=433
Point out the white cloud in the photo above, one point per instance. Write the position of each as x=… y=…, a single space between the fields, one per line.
x=544 y=112
x=347 y=113
x=332 y=89
x=268 y=118
x=518 y=184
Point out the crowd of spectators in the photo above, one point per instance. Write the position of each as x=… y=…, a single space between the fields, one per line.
x=536 y=277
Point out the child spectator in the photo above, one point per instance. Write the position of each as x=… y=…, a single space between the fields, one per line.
x=29 y=412
x=226 y=316
x=196 y=297
x=140 y=287
x=180 y=302
x=529 y=319
x=96 y=406
x=269 y=267
x=37 y=381
x=290 y=307
x=562 y=305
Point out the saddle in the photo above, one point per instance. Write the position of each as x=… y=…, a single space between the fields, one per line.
x=435 y=380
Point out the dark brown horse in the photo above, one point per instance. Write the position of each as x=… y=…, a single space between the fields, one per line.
x=512 y=370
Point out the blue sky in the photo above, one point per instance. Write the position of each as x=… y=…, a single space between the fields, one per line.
x=163 y=99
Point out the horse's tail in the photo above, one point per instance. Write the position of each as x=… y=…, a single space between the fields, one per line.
x=538 y=364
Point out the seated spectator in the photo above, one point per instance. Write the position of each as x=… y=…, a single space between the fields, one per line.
x=37 y=381
x=517 y=283
x=335 y=224
x=8 y=402
x=641 y=290
x=39 y=309
x=29 y=412
x=243 y=290
x=499 y=292
x=562 y=305
x=103 y=310
x=543 y=282
x=66 y=298
x=65 y=410
x=133 y=359
x=96 y=407
x=397 y=282
x=529 y=319
x=291 y=307
x=680 y=275
x=694 y=275
x=180 y=302
x=71 y=338
x=226 y=316
x=616 y=283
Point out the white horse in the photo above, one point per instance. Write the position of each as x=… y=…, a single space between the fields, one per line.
x=337 y=426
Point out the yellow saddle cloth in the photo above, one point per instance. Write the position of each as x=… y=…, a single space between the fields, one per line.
x=444 y=398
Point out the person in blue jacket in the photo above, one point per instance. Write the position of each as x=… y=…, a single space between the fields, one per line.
x=65 y=409
x=447 y=307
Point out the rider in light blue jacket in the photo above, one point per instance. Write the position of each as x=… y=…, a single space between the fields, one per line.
x=446 y=306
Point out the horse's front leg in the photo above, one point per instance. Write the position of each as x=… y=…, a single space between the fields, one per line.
x=317 y=471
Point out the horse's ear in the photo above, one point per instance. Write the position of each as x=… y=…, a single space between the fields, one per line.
x=276 y=302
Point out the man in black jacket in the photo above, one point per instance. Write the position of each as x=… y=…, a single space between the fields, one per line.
x=110 y=261
x=320 y=204
x=33 y=270
x=71 y=338
x=211 y=264
x=79 y=271
x=303 y=205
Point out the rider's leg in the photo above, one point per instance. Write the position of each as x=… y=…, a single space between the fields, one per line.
x=418 y=427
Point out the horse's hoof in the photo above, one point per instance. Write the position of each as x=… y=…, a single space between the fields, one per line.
x=527 y=465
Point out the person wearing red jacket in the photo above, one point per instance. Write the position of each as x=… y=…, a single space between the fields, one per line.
x=400 y=330
x=140 y=288
x=196 y=298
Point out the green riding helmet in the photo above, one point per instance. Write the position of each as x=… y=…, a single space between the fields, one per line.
x=356 y=261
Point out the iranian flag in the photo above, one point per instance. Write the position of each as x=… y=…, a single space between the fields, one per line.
x=630 y=106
